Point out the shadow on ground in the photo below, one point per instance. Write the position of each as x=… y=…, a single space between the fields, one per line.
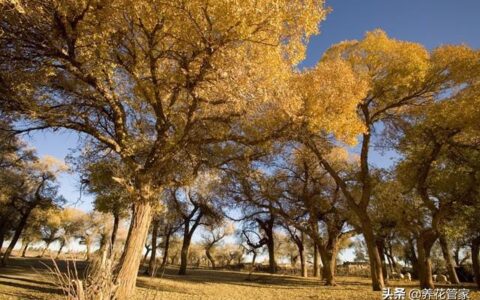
x=30 y=278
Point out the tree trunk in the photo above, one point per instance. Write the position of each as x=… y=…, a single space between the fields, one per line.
x=272 y=265
x=2 y=236
x=153 y=258
x=424 y=246
x=146 y=254
x=412 y=257
x=316 y=272
x=184 y=256
x=116 y=221
x=62 y=244
x=381 y=250
x=373 y=255
x=88 y=246
x=165 y=250
x=456 y=255
x=303 y=265
x=329 y=256
x=391 y=258
x=132 y=253
x=210 y=257
x=254 y=257
x=475 y=260
x=45 y=249
x=16 y=236
x=447 y=256
x=25 y=247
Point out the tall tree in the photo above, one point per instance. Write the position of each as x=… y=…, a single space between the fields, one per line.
x=440 y=161
x=392 y=78
x=35 y=187
x=152 y=81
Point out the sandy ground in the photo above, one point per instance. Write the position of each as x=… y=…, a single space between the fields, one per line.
x=29 y=279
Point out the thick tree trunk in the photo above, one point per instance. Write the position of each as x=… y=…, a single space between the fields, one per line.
x=373 y=255
x=316 y=272
x=424 y=246
x=16 y=236
x=475 y=260
x=272 y=264
x=25 y=248
x=165 y=250
x=132 y=253
x=303 y=265
x=184 y=255
x=153 y=258
x=447 y=256
x=210 y=257
x=328 y=255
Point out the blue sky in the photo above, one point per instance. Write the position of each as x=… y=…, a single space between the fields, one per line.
x=430 y=22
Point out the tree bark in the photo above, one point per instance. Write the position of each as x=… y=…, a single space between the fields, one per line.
x=131 y=257
x=116 y=222
x=381 y=250
x=303 y=265
x=328 y=255
x=373 y=255
x=25 y=247
x=475 y=260
x=272 y=265
x=88 y=246
x=210 y=257
x=62 y=244
x=316 y=272
x=184 y=255
x=165 y=250
x=447 y=256
x=16 y=236
x=424 y=246
x=153 y=258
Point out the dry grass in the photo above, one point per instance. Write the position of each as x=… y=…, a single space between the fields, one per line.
x=21 y=281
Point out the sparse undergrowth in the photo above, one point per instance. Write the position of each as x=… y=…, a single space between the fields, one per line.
x=28 y=279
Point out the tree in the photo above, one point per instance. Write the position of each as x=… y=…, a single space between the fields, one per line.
x=71 y=220
x=82 y=66
x=50 y=228
x=194 y=205
x=385 y=79
x=440 y=151
x=31 y=234
x=243 y=186
x=110 y=196
x=35 y=187
x=215 y=233
x=92 y=228
x=297 y=238
x=15 y=156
